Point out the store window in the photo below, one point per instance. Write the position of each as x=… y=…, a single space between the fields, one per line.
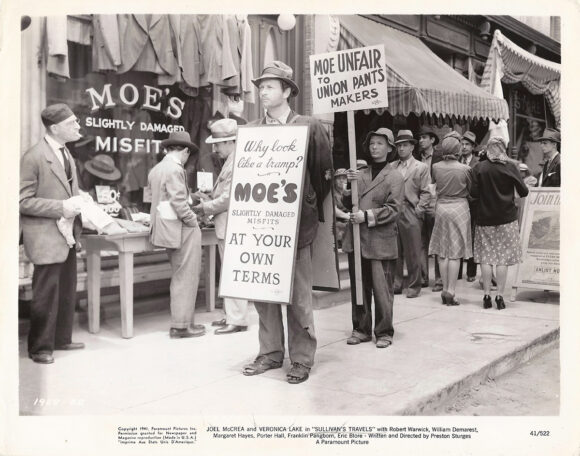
x=125 y=117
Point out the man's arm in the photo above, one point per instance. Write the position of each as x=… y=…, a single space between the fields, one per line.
x=389 y=211
x=222 y=201
x=424 y=193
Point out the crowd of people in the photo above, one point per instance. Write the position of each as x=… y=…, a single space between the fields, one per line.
x=447 y=202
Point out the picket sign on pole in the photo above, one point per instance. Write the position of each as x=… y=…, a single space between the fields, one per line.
x=350 y=80
x=354 y=193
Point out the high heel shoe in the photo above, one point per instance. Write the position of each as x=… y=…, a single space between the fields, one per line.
x=449 y=299
x=499 y=302
x=487 y=302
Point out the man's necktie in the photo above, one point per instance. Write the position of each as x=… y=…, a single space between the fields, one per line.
x=66 y=162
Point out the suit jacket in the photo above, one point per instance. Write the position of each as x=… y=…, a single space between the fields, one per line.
x=381 y=200
x=318 y=178
x=551 y=173
x=417 y=182
x=146 y=43
x=43 y=187
x=106 y=44
x=168 y=184
x=218 y=206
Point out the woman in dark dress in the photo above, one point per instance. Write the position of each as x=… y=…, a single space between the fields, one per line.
x=497 y=235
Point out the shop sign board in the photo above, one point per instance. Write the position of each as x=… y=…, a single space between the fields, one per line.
x=540 y=236
x=348 y=80
x=264 y=213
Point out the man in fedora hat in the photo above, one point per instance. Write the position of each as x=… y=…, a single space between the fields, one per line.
x=174 y=226
x=276 y=87
x=48 y=191
x=223 y=140
x=550 y=143
x=429 y=155
x=410 y=222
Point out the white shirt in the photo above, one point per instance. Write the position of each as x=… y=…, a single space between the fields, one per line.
x=56 y=148
x=278 y=120
x=403 y=166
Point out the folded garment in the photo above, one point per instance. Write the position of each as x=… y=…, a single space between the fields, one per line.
x=132 y=227
x=65 y=226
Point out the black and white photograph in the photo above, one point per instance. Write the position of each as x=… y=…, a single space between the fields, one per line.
x=288 y=231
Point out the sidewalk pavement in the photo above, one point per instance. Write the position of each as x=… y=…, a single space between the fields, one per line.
x=437 y=351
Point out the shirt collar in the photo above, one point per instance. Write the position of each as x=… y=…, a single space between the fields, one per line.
x=407 y=162
x=55 y=146
x=175 y=159
x=279 y=120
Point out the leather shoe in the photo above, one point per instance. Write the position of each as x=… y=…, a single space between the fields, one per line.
x=41 y=358
x=413 y=294
x=221 y=322
x=499 y=302
x=437 y=287
x=487 y=302
x=230 y=329
x=180 y=333
x=398 y=291
x=356 y=339
x=471 y=278
x=71 y=346
x=383 y=342
x=425 y=284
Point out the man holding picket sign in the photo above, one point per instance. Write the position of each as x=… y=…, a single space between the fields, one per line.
x=275 y=89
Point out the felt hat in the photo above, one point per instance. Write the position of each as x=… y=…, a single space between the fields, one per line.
x=428 y=131
x=340 y=172
x=385 y=132
x=278 y=70
x=405 y=135
x=550 y=134
x=223 y=130
x=103 y=166
x=179 y=138
x=470 y=136
x=55 y=114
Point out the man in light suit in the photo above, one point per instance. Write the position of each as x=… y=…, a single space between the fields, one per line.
x=174 y=226
x=49 y=191
x=223 y=138
x=380 y=192
x=415 y=203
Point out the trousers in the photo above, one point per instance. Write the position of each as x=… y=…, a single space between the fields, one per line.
x=52 y=309
x=301 y=333
x=409 y=242
x=236 y=309
x=377 y=281
x=185 y=268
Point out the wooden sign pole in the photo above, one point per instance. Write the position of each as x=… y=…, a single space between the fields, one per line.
x=354 y=193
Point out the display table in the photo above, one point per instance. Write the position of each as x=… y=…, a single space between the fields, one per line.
x=127 y=245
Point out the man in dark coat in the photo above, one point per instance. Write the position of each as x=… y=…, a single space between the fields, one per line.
x=549 y=142
x=275 y=88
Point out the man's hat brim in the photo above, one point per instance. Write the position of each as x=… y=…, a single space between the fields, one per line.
x=548 y=138
x=405 y=139
x=112 y=176
x=212 y=140
x=177 y=142
x=294 y=90
x=430 y=133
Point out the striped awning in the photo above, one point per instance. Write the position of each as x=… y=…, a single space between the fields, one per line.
x=418 y=80
x=510 y=63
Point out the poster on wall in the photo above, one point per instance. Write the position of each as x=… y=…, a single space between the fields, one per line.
x=264 y=213
x=349 y=80
x=540 y=234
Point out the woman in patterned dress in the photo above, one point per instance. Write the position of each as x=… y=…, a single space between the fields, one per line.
x=451 y=238
x=497 y=236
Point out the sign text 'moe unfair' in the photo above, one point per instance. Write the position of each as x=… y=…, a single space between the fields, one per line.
x=349 y=80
